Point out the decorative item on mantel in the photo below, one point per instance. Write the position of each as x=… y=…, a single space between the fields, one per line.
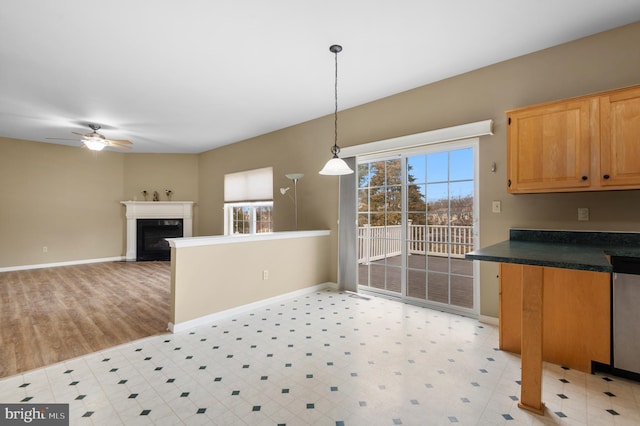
x=156 y=195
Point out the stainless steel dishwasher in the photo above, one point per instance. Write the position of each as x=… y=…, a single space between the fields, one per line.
x=625 y=314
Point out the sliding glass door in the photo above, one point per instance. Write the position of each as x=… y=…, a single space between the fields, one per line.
x=416 y=221
x=380 y=230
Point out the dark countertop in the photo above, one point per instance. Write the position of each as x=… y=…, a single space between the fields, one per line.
x=582 y=250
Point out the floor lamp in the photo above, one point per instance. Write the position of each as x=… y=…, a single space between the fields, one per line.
x=295 y=177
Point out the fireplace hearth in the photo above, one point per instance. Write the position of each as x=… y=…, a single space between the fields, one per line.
x=151 y=234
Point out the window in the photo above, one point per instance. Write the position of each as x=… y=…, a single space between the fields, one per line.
x=249 y=218
x=248 y=197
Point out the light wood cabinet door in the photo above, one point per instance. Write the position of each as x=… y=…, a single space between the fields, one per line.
x=576 y=315
x=620 y=139
x=549 y=147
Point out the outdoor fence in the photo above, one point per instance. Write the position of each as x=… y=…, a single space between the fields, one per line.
x=378 y=242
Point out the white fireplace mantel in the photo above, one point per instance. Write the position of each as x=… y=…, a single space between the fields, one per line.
x=155 y=210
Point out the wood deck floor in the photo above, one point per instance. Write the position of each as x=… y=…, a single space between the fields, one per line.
x=53 y=314
x=427 y=278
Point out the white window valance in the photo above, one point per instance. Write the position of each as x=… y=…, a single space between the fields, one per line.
x=447 y=134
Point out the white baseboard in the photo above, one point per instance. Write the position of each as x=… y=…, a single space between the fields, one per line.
x=488 y=320
x=56 y=264
x=208 y=319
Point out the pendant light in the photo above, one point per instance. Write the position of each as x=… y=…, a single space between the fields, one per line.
x=336 y=166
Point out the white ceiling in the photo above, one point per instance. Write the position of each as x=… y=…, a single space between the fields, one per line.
x=188 y=76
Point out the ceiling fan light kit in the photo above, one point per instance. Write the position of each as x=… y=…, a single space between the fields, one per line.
x=94 y=141
x=94 y=145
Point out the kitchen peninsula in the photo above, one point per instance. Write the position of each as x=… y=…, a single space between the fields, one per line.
x=539 y=257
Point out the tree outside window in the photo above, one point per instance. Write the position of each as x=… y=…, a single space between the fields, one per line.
x=250 y=218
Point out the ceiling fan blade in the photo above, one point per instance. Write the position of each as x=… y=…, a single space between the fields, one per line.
x=61 y=139
x=117 y=146
x=122 y=141
x=79 y=134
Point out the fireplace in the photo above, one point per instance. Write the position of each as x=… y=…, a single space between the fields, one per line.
x=151 y=234
x=150 y=222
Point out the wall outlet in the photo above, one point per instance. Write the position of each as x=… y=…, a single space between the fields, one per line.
x=583 y=213
x=265 y=274
x=45 y=249
x=496 y=206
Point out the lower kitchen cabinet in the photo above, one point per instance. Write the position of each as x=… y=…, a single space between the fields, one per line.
x=576 y=315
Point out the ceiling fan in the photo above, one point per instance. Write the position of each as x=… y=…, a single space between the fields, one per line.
x=97 y=142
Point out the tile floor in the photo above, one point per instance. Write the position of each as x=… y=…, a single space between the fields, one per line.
x=326 y=358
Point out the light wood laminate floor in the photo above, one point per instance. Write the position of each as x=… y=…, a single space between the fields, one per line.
x=53 y=314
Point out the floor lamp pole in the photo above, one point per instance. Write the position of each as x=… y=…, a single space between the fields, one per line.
x=295 y=200
x=295 y=177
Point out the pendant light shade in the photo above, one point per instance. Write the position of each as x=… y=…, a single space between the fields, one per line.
x=335 y=166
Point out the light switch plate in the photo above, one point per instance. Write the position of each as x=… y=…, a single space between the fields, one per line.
x=496 y=206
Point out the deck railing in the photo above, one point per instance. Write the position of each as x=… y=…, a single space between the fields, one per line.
x=378 y=242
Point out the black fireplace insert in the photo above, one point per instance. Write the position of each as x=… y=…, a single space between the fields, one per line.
x=151 y=234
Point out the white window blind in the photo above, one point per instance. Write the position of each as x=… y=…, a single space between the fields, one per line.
x=250 y=185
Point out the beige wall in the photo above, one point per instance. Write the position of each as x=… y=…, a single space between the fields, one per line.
x=68 y=199
x=157 y=172
x=63 y=198
x=303 y=149
x=601 y=62
x=213 y=278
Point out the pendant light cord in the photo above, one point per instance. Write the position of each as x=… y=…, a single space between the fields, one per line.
x=335 y=149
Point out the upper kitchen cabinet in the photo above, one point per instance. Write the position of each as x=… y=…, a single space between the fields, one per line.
x=549 y=147
x=589 y=143
x=620 y=139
